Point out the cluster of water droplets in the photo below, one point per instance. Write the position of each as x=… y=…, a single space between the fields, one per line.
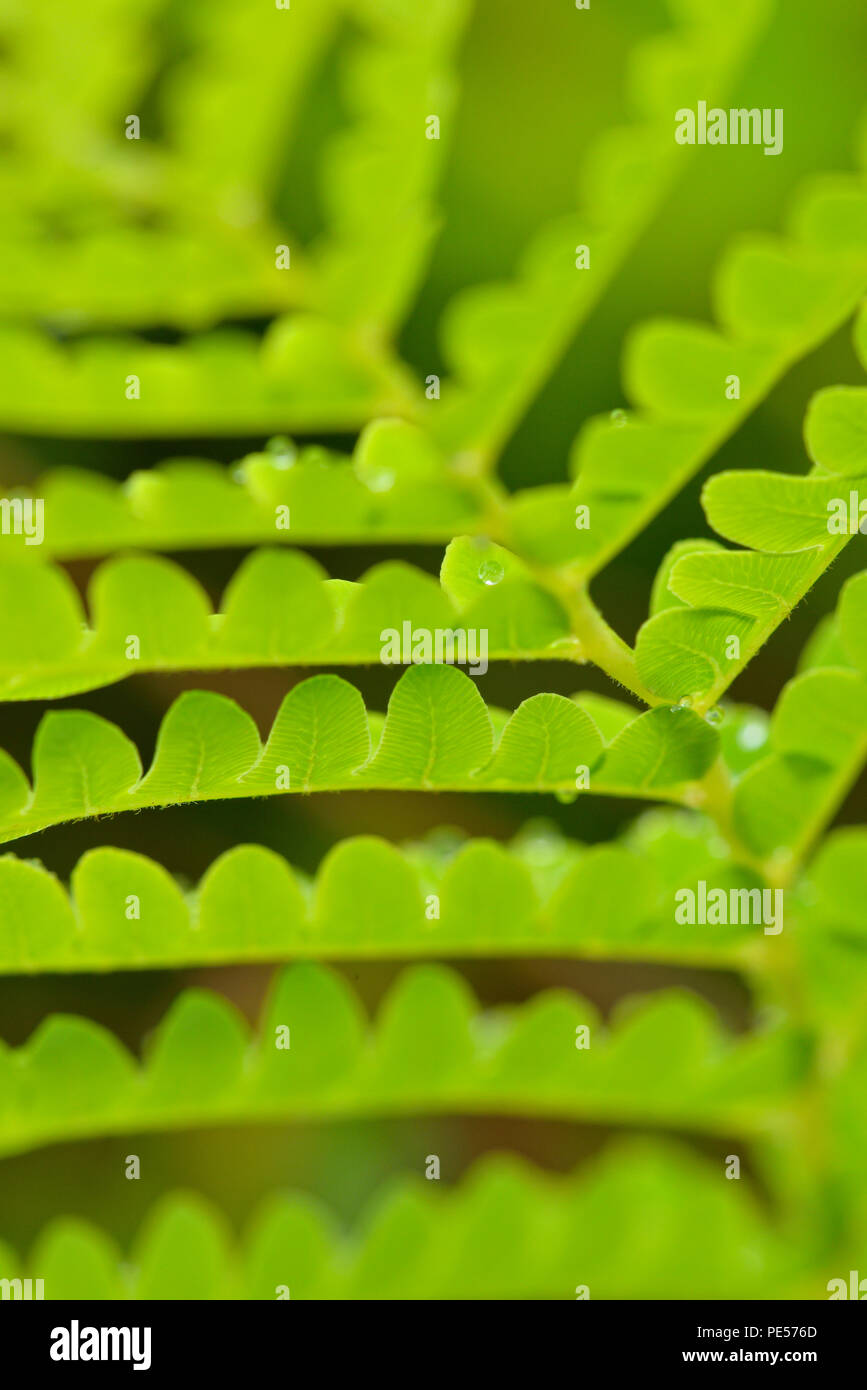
x=713 y=716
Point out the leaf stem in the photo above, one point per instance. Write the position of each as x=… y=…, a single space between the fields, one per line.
x=717 y=801
x=599 y=641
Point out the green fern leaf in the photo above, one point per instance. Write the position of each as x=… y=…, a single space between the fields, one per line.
x=170 y=232
x=280 y=608
x=663 y=1061
x=438 y=734
x=819 y=744
x=676 y=374
x=544 y=896
x=506 y=1231
x=502 y=340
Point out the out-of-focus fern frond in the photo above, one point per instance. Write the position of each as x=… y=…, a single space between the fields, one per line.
x=172 y=227
x=541 y=896
x=506 y=1231
x=692 y=385
x=178 y=226
x=502 y=340
x=663 y=1060
x=396 y=482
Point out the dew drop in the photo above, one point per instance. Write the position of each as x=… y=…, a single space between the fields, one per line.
x=571 y=649
x=281 y=451
x=541 y=843
x=491 y=572
x=380 y=480
x=566 y=798
x=714 y=716
x=752 y=734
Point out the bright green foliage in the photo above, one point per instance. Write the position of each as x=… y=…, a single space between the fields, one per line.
x=396 y=481
x=626 y=466
x=184 y=229
x=714 y=594
x=544 y=895
x=209 y=249
x=304 y=371
x=438 y=735
x=662 y=1060
x=194 y=241
x=776 y=301
x=818 y=747
x=501 y=340
x=646 y=1215
x=711 y=608
x=279 y=609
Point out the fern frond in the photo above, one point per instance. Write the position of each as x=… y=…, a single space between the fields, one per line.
x=838 y=877
x=711 y=608
x=379 y=176
x=502 y=340
x=228 y=147
x=395 y=480
x=818 y=747
x=438 y=735
x=712 y=595
x=305 y=374
x=541 y=896
x=816 y=742
x=663 y=1061
x=506 y=1231
x=209 y=253
x=829 y=907
x=280 y=608
x=776 y=301
x=174 y=231
x=400 y=485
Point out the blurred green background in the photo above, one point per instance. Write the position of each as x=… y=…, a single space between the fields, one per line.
x=537 y=82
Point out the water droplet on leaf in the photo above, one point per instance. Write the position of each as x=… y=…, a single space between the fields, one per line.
x=752 y=734
x=491 y=572
x=380 y=480
x=541 y=842
x=281 y=451
x=570 y=647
